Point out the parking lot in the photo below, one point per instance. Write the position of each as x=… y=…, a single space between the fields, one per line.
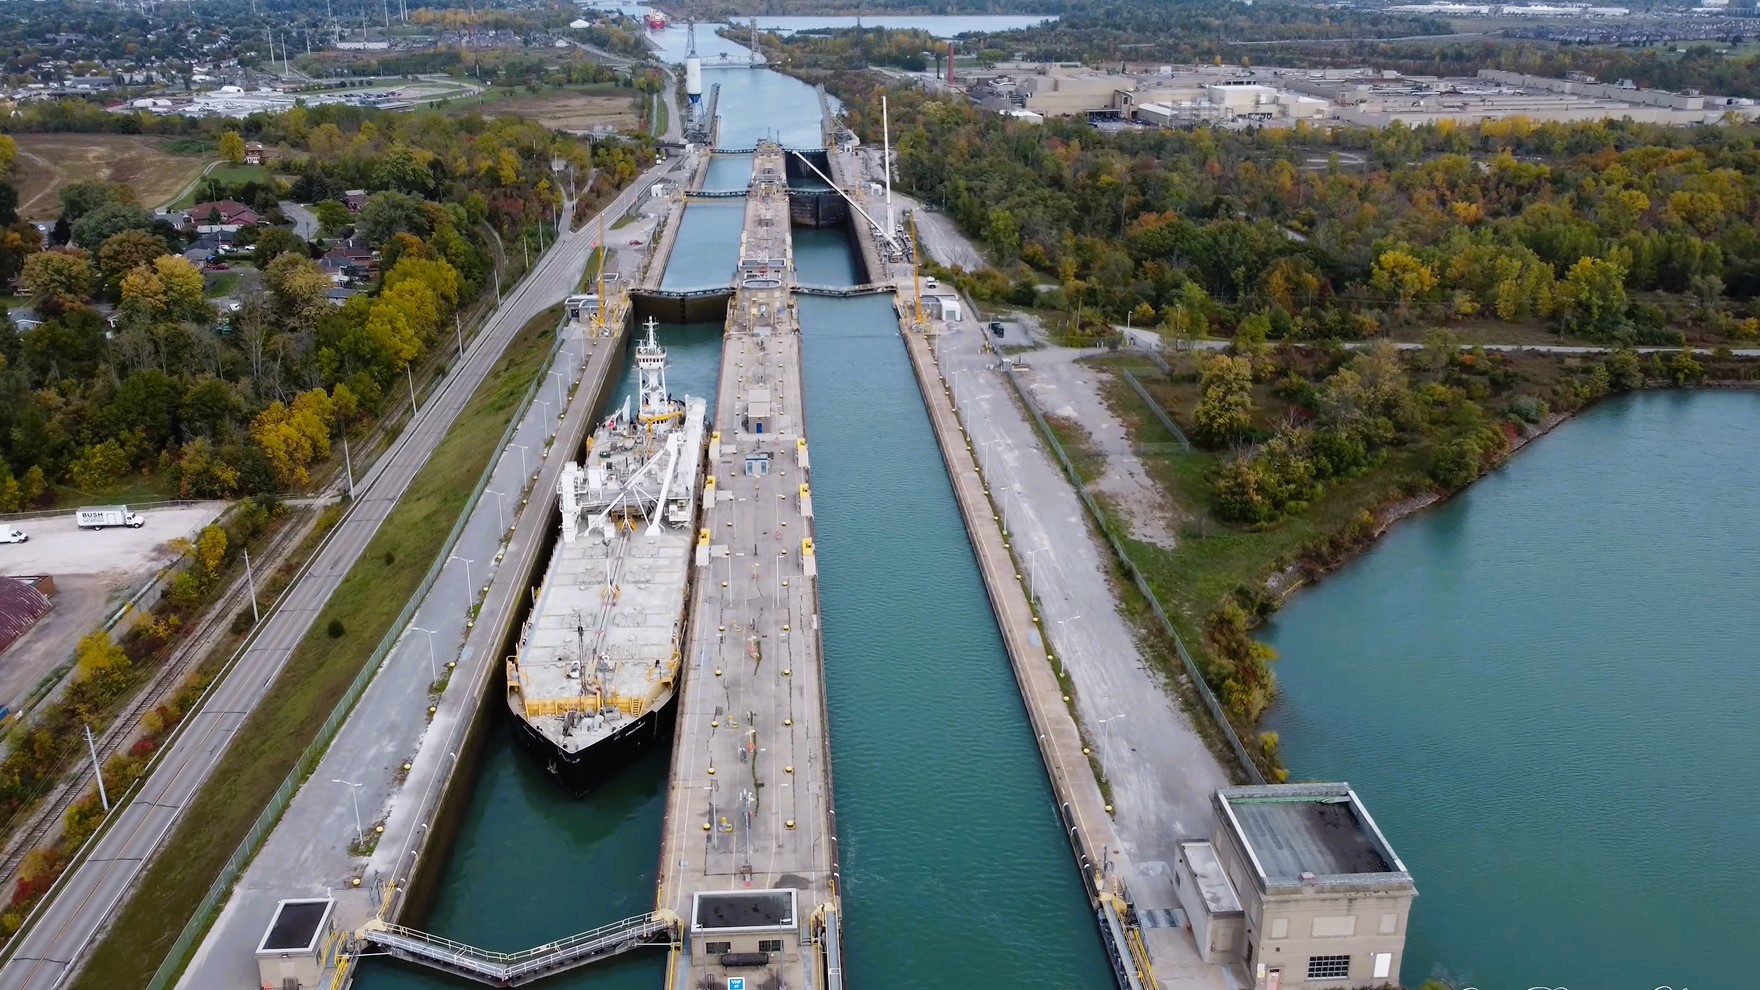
x=94 y=572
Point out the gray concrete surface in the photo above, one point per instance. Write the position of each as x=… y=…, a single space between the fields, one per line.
x=58 y=546
x=755 y=650
x=84 y=900
x=81 y=604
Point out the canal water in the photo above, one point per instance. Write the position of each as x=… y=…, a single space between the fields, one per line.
x=956 y=873
x=707 y=248
x=1545 y=692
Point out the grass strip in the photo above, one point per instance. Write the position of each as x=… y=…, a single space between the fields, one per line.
x=316 y=676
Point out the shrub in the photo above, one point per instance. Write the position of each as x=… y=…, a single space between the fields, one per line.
x=335 y=629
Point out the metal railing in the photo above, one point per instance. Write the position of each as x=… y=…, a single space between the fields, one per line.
x=1179 y=646
x=308 y=759
x=514 y=968
x=844 y=291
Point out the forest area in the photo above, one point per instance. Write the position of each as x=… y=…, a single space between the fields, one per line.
x=132 y=380
x=1603 y=231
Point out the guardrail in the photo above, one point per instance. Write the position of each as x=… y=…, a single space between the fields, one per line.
x=308 y=759
x=1142 y=583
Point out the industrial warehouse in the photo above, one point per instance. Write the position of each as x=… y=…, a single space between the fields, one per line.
x=1184 y=96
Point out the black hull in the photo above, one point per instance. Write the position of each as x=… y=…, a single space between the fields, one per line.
x=584 y=772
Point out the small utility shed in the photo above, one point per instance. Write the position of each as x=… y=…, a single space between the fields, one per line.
x=299 y=944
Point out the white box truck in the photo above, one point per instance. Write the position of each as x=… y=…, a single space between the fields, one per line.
x=100 y=516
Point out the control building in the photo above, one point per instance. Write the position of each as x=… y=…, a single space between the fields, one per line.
x=1299 y=884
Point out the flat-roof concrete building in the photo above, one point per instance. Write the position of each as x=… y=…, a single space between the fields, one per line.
x=299 y=945
x=1298 y=883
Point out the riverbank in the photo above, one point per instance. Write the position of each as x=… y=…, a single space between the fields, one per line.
x=1222 y=580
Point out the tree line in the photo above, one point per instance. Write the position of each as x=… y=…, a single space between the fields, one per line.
x=133 y=375
x=1607 y=230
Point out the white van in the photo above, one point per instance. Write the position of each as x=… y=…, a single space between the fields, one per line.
x=10 y=534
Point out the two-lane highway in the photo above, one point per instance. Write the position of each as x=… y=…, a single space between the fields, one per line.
x=50 y=950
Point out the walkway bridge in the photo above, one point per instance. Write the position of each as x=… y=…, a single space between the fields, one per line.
x=844 y=291
x=753 y=151
x=714 y=194
x=513 y=969
x=705 y=293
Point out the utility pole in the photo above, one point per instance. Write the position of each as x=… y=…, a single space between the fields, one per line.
x=347 y=466
x=411 y=376
x=458 y=327
x=97 y=770
x=250 y=580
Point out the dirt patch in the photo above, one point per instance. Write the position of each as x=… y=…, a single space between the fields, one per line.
x=1074 y=392
x=46 y=162
x=566 y=111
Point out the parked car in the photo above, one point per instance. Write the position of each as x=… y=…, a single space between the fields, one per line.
x=930 y=283
x=997 y=329
x=11 y=534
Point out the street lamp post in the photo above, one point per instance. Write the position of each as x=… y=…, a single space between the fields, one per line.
x=500 y=507
x=524 y=471
x=470 y=588
x=433 y=669
x=1065 y=643
x=360 y=838
x=561 y=384
x=546 y=405
x=1105 y=730
x=1033 y=571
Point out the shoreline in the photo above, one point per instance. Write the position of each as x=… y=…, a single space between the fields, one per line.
x=1282 y=584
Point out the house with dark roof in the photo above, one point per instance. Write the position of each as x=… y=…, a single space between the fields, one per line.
x=224 y=214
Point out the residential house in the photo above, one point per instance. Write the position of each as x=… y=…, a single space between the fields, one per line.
x=354 y=199
x=253 y=154
x=230 y=214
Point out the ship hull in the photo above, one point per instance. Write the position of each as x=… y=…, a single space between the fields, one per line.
x=581 y=773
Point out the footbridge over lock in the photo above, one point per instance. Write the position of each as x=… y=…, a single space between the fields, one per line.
x=514 y=969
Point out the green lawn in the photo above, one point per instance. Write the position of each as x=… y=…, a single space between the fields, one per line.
x=265 y=749
x=221 y=172
x=221 y=285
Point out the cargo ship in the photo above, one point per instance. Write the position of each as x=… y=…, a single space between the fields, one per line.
x=593 y=681
x=654 y=19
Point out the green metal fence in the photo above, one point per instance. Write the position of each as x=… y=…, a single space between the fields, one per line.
x=308 y=760
x=1137 y=578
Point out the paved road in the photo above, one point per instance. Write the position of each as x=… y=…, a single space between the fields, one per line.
x=305 y=222
x=1149 y=340
x=90 y=893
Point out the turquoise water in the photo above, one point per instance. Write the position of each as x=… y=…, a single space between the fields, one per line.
x=822 y=257
x=728 y=173
x=707 y=248
x=1545 y=692
x=955 y=869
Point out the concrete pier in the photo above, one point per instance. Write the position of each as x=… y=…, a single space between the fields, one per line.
x=748 y=860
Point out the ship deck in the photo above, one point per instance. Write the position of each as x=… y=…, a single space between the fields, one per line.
x=634 y=621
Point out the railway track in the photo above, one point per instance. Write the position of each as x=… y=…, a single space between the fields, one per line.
x=69 y=787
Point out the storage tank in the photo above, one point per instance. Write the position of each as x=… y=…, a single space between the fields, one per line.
x=693 y=78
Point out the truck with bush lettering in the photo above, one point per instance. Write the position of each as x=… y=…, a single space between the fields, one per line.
x=105 y=516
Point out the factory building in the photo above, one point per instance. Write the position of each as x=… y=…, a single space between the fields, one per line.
x=1170 y=96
